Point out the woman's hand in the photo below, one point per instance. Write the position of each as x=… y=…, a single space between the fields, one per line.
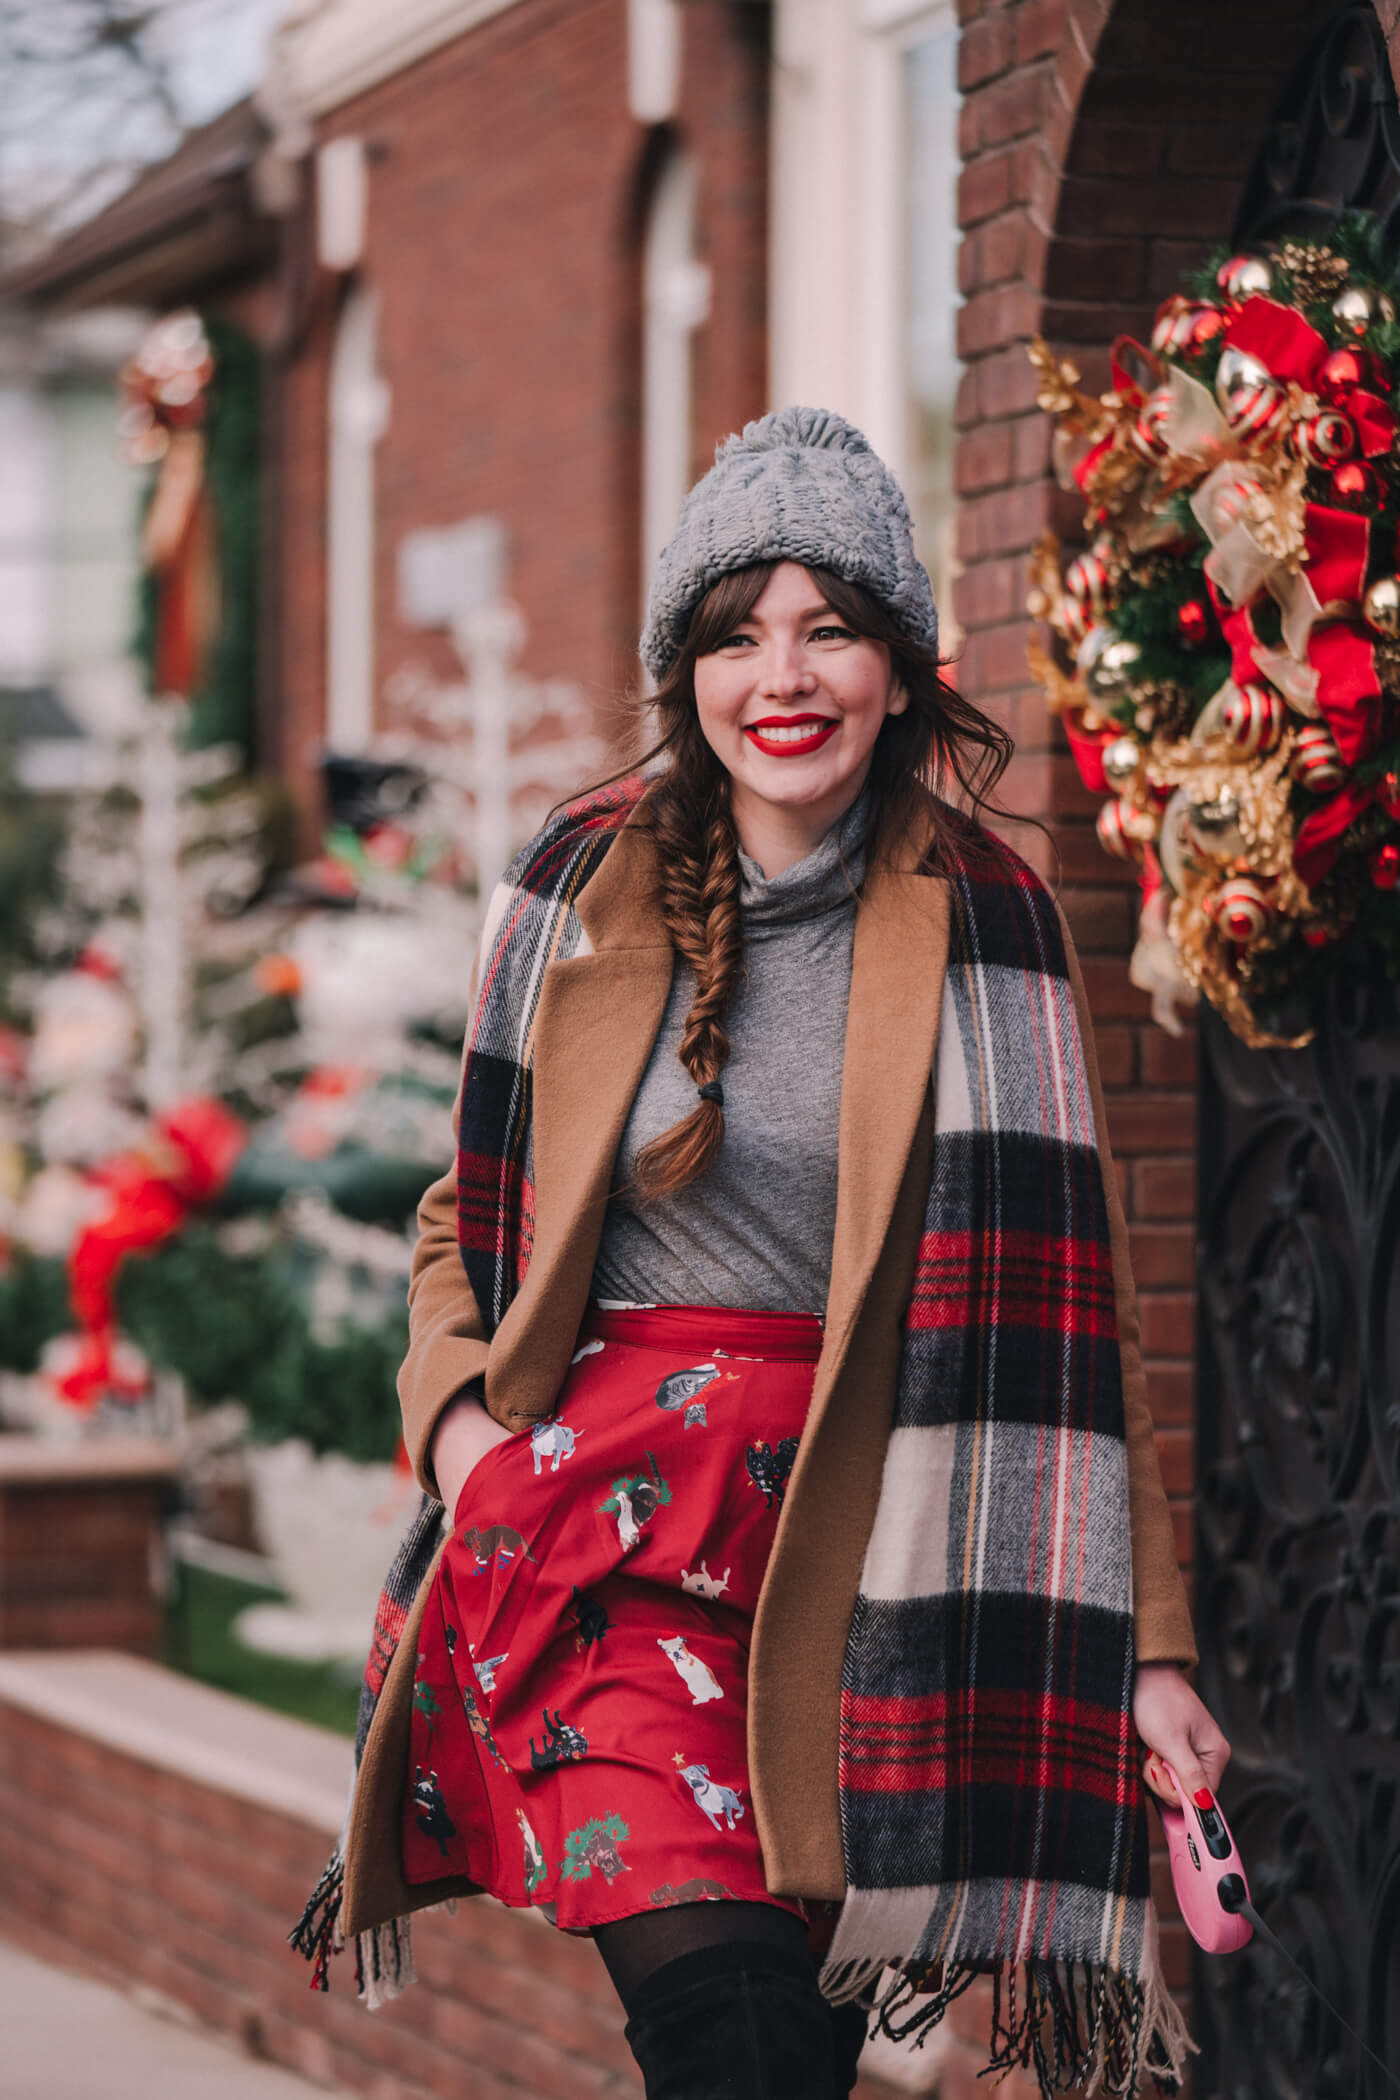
x=464 y=1434
x=1177 y=1728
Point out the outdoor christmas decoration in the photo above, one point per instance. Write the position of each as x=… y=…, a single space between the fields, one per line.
x=191 y=417
x=1231 y=678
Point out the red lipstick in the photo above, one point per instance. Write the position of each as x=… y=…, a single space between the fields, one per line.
x=777 y=735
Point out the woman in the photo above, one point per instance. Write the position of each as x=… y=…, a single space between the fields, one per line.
x=810 y=1579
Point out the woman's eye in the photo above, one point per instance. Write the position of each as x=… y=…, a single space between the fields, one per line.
x=832 y=631
x=734 y=641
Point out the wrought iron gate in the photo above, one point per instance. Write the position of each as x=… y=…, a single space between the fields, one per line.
x=1298 y=1569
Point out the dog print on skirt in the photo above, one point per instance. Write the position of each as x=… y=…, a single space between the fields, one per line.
x=578 y=1729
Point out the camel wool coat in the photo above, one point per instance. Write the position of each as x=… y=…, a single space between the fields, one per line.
x=597 y=1020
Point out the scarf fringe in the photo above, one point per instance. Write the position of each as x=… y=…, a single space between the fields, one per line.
x=317 y=1934
x=1076 y=2024
x=384 y=1962
x=383 y=1955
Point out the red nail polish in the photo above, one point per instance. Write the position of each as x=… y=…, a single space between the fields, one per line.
x=1203 y=1797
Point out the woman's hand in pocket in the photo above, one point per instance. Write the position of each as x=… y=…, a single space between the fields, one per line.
x=464 y=1435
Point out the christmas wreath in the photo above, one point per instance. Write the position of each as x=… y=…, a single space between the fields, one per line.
x=1234 y=626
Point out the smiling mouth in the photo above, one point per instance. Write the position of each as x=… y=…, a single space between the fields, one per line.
x=790 y=736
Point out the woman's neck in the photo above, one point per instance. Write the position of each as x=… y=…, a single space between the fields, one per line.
x=777 y=835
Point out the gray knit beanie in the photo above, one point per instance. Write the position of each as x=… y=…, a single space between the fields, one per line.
x=799 y=485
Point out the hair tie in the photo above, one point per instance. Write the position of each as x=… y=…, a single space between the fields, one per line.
x=712 y=1091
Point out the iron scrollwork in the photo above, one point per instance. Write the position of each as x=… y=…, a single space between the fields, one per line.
x=1298 y=1534
x=1299 y=1538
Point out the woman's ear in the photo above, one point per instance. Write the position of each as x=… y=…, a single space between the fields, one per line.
x=899 y=697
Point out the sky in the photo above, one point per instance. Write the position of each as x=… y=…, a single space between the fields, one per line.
x=91 y=90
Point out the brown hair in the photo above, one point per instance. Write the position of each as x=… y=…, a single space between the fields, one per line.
x=941 y=742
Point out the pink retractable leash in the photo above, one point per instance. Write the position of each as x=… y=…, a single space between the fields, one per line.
x=1208 y=1876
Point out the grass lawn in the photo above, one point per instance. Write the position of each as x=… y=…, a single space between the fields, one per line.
x=199 y=1640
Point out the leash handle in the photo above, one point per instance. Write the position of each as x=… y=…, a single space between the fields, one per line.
x=1208 y=1875
x=1234 y=1898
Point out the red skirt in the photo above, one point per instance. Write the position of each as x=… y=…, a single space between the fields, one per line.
x=581 y=1687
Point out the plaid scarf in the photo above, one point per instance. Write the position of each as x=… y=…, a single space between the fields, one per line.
x=992 y=1812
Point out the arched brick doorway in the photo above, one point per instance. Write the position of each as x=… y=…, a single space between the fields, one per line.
x=1106 y=147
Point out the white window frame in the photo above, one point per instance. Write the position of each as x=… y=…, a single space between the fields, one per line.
x=358 y=411
x=836 y=261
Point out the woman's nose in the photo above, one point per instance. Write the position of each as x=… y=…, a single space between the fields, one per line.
x=786 y=670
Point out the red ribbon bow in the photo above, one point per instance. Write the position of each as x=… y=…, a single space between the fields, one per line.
x=1321 y=832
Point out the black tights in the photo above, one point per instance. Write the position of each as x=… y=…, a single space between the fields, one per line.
x=722 y=2004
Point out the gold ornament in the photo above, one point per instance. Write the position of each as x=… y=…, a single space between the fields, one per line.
x=1105 y=662
x=1381 y=606
x=1356 y=309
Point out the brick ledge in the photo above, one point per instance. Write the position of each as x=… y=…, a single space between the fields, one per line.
x=212 y=1737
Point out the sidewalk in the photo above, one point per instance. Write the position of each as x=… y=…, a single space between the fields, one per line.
x=67 y=2038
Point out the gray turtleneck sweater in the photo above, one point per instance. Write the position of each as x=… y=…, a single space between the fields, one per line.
x=755 y=1231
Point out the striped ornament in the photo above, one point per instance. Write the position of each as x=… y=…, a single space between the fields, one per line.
x=1123 y=828
x=1256 y=409
x=1316 y=763
x=1239 y=910
x=1171 y=330
x=1252 y=719
x=1323 y=439
x=1146 y=436
x=1086 y=592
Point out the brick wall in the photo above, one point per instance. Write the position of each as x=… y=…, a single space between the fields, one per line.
x=157 y=1833
x=508 y=187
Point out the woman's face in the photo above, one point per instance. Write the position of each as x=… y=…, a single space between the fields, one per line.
x=791 y=702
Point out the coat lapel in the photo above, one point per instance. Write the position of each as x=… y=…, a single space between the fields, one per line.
x=897 y=968
x=598 y=1017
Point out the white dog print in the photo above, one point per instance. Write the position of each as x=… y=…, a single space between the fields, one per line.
x=712 y=1799
x=552 y=1440
x=702 y=1583
x=700 y=1680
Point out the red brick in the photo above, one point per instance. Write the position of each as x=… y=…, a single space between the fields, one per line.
x=1031 y=437
x=1097 y=268
x=1041 y=27
x=985 y=187
x=1152 y=1122
x=1111 y=996
x=1116 y=1050
x=1168 y=1328
x=1003 y=522
x=1006 y=313
x=1171 y=1387
x=1170 y=1060
x=984 y=458
x=1010 y=108
x=1164 y=1188
x=988 y=591
x=984 y=49
x=1100 y=918
x=1162 y=1254
x=1124 y=151
x=1006 y=382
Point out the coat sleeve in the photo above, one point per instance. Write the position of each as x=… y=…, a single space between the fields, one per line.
x=1161 y=1615
x=447 y=1345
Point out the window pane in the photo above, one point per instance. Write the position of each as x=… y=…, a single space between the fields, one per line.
x=930 y=302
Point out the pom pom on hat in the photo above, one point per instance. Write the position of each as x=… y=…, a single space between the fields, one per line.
x=799 y=485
